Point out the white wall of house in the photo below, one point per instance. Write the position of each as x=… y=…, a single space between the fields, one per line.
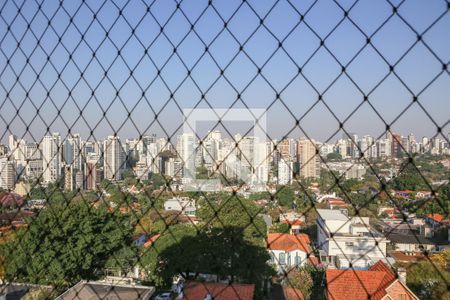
x=339 y=235
x=412 y=247
x=285 y=260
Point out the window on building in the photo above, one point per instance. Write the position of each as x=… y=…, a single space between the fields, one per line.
x=297 y=259
x=282 y=258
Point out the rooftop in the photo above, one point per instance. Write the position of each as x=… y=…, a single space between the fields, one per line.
x=408 y=239
x=219 y=291
x=351 y=284
x=288 y=242
x=100 y=290
x=332 y=214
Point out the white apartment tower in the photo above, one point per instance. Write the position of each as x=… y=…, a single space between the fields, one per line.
x=114 y=158
x=285 y=172
x=186 y=152
x=7 y=173
x=51 y=158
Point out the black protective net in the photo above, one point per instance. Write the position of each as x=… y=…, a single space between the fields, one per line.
x=129 y=168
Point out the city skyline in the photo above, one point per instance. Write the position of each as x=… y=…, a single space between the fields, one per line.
x=348 y=135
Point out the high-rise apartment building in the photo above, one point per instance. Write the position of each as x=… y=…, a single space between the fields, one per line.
x=51 y=158
x=93 y=175
x=75 y=151
x=7 y=173
x=186 y=152
x=285 y=172
x=308 y=159
x=114 y=158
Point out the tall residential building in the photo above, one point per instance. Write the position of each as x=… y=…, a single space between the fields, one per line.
x=384 y=148
x=51 y=158
x=3 y=150
x=285 y=172
x=68 y=178
x=76 y=153
x=7 y=174
x=309 y=160
x=396 y=144
x=261 y=163
x=16 y=147
x=284 y=148
x=186 y=152
x=114 y=158
x=93 y=175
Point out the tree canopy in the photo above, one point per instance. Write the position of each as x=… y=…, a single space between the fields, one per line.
x=64 y=244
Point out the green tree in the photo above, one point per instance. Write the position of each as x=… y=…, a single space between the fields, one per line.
x=409 y=179
x=285 y=196
x=279 y=228
x=429 y=281
x=301 y=279
x=157 y=180
x=64 y=244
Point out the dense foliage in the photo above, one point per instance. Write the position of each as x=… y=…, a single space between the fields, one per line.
x=64 y=244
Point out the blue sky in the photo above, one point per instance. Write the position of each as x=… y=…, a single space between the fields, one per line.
x=70 y=46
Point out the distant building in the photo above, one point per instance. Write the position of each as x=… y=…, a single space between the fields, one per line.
x=308 y=159
x=34 y=169
x=93 y=176
x=51 y=157
x=184 y=205
x=114 y=158
x=22 y=188
x=68 y=178
x=285 y=172
x=7 y=174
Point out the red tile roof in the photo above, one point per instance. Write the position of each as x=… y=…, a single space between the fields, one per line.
x=288 y=242
x=219 y=291
x=436 y=217
x=359 y=285
x=401 y=256
x=294 y=222
x=151 y=240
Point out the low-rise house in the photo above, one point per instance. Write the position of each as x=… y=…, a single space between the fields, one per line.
x=436 y=220
x=377 y=283
x=12 y=291
x=348 y=242
x=423 y=194
x=183 y=204
x=294 y=226
x=218 y=291
x=410 y=242
x=105 y=290
x=336 y=203
x=288 y=250
x=291 y=216
x=406 y=194
x=406 y=257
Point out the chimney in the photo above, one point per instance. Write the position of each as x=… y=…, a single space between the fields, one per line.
x=401 y=272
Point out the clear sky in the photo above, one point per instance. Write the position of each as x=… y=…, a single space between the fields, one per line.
x=132 y=85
